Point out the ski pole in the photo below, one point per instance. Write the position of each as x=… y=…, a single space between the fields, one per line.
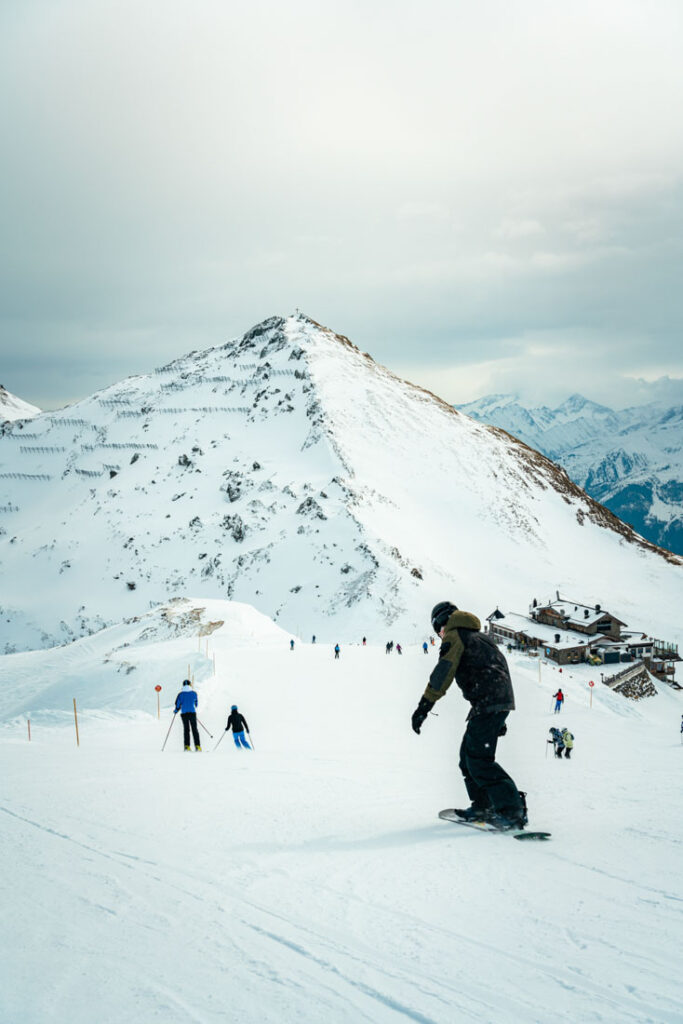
x=252 y=742
x=222 y=737
x=169 y=732
x=205 y=729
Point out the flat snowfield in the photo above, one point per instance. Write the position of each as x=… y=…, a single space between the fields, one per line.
x=311 y=881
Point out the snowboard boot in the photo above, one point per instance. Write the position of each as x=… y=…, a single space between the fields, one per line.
x=504 y=821
x=472 y=813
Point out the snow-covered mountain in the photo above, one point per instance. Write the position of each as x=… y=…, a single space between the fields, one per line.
x=630 y=460
x=287 y=470
x=13 y=408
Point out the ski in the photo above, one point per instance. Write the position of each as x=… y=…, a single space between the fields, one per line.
x=483 y=826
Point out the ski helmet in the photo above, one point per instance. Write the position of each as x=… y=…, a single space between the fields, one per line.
x=234 y=707
x=186 y=682
x=441 y=613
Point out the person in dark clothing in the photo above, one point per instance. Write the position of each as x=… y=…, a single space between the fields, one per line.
x=186 y=703
x=238 y=724
x=557 y=741
x=387 y=650
x=337 y=649
x=479 y=668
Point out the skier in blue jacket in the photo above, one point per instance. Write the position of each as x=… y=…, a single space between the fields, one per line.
x=186 y=703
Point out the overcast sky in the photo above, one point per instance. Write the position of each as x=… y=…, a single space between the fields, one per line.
x=485 y=196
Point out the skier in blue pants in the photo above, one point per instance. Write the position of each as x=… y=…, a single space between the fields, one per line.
x=238 y=724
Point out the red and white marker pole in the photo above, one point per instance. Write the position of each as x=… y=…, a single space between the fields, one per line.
x=158 y=689
x=591 y=684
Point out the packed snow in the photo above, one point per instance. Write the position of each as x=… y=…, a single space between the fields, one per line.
x=310 y=879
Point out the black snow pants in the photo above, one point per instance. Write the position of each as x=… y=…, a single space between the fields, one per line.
x=190 y=722
x=488 y=785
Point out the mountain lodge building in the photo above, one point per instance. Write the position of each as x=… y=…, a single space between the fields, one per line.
x=568 y=633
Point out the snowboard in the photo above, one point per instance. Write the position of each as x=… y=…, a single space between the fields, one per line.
x=483 y=826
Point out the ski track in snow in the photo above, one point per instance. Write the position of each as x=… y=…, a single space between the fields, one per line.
x=310 y=880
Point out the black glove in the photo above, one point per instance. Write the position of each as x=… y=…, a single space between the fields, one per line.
x=420 y=713
x=503 y=729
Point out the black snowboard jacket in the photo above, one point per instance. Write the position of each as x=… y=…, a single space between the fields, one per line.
x=236 y=722
x=479 y=668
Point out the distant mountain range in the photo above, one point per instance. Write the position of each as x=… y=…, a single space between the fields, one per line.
x=13 y=408
x=629 y=460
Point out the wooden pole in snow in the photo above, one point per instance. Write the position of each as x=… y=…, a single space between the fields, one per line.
x=78 y=741
x=29 y=730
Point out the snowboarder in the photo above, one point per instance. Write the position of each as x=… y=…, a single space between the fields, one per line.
x=557 y=741
x=559 y=700
x=398 y=649
x=186 y=703
x=337 y=649
x=238 y=723
x=568 y=740
x=479 y=668
x=425 y=648
x=291 y=645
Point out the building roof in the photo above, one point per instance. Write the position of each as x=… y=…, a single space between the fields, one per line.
x=546 y=634
x=576 y=613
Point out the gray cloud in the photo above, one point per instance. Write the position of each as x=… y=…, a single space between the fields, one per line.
x=476 y=194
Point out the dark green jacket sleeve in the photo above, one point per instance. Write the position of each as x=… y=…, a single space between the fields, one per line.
x=450 y=654
x=444 y=671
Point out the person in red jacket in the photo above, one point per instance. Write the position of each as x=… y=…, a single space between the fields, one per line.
x=559 y=701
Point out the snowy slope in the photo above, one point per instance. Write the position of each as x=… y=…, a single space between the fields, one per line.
x=311 y=880
x=13 y=408
x=630 y=460
x=288 y=470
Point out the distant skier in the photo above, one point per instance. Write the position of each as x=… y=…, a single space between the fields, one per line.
x=291 y=645
x=568 y=740
x=399 y=649
x=432 y=641
x=479 y=668
x=186 y=703
x=313 y=639
x=337 y=649
x=238 y=723
x=559 y=701
x=557 y=741
x=364 y=641
x=425 y=648
x=387 y=650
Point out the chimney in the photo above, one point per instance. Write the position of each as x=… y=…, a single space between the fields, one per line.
x=557 y=638
x=597 y=608
x=586 y=613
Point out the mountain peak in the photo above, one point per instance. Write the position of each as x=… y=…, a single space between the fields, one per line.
x=13 y=408
x=287 y=470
